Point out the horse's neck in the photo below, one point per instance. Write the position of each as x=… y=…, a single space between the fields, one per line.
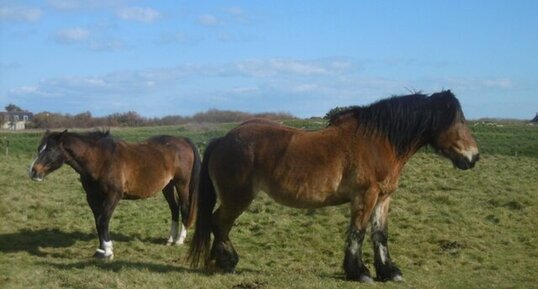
x=377 y=143
x=404 y=146
x=81 y=155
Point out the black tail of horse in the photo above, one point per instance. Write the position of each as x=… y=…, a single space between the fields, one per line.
x=206 y=199
x=193 y=185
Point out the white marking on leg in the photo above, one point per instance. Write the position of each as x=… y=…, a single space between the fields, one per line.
x=170 y=241
x=353 y=244
x=376 y=217
x=182 y=235
x=174 y=233
x=354 y=247
x=382 y=253
x=377 y=225
x=107 y=245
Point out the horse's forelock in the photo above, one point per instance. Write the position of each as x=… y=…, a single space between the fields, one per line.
x=446 y=110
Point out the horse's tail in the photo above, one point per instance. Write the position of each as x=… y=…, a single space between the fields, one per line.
x=193 y=184
x=207 y=197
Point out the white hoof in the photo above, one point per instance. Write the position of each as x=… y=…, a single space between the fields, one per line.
x=100 y=254
x=366 y=279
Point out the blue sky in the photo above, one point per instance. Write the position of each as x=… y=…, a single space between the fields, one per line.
x=303 y=57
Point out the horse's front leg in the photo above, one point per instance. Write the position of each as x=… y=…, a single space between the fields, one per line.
x=102 y=207
x=386 y=269
x=361 y=209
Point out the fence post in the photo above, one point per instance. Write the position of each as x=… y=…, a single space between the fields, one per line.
x=5 y=142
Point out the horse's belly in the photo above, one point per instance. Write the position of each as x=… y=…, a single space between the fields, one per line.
x=306 y=198
x=145 y=188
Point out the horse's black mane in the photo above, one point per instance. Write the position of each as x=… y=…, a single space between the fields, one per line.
x=408 y=119
x=96 y=135
x=102 y=136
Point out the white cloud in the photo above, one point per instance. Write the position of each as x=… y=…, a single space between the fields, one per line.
x=274 y=67
x=178 y=38
x=238 y=14
x=237 y=11
x=502 y=83
x=65 y=4
x=208 y=20
x=245 y=90
x=472 y=83
x=138 y=14
x=84 y=4
x=90 y=38
x=72 y=35
x=106 y=45
x=25 y=14
x=197 y=87
x=301 y=87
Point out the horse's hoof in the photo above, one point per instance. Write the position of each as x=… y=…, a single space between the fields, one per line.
x=100 y=254
x=171 y=242
x=366 y=279
x=398 y=278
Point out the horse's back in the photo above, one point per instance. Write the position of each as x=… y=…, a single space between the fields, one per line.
x=253 y=141
x=180 y=153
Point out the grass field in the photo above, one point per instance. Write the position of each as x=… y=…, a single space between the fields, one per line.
x=448 y=228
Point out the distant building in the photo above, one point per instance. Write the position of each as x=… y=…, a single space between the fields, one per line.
x=15 y=120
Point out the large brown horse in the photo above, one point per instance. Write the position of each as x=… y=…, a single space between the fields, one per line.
x=357 y=159
x=112 y=170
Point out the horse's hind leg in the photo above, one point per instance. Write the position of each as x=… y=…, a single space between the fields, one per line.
x=182 y=191
x=173 y=203
x=223 y=255
x=385 y=268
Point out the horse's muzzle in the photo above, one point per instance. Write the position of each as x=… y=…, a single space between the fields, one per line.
x=464 y=163
x=36 y=176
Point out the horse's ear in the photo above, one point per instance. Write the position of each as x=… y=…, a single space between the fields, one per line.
x=62 y=134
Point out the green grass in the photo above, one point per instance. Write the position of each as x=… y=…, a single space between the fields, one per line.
x=448 y=228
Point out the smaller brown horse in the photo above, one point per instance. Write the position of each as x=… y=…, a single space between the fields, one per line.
x=357 y=159
x=112 y=170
